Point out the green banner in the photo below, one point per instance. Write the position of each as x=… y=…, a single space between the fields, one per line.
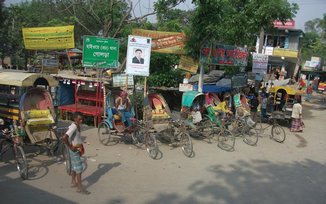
x=100 y=52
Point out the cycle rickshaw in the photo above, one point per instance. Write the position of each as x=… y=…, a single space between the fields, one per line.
x=26 y=104
x=203 y=121
x=112 y=129
x=174 y=131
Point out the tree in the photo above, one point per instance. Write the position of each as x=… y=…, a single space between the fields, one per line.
x=314 y=41
x=234 y=22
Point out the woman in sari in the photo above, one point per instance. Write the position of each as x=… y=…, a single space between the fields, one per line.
x=297 y=124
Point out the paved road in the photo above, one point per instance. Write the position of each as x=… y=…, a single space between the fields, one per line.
x=293 y=172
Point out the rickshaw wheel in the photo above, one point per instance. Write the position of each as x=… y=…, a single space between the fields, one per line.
x=250 y=135
x=226 y=140
x=151 y=145
x=104 y=134
x=21 y=162
x=278 y=133
x=187 y=147
x=207 y=127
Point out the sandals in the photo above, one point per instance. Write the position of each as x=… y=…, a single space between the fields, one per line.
x=83 y=191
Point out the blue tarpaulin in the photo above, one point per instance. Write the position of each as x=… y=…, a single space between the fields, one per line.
x=212 y=88
x=66 y=94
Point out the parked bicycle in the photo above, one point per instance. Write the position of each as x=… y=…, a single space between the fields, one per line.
x=277 y=131
x=10 y=140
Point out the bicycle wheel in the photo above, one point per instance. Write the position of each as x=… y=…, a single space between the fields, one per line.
x=151 y=145
x=104 y=134
x=226 y=140
x=250 y=135
x=21 y=162
x=278 y=133
x=66 y=158
x=186 y=143
x=138 y=138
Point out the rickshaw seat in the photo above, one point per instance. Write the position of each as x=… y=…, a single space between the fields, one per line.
x=39 y=117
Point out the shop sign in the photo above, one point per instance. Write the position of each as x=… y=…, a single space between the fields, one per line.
x=218 y=54
x=185 y=87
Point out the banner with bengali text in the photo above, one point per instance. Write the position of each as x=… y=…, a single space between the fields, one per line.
x=49 y=38
x=164 y=42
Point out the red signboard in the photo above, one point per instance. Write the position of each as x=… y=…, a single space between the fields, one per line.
x=287 y=24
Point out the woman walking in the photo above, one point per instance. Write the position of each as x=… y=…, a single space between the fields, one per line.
x=297 y=124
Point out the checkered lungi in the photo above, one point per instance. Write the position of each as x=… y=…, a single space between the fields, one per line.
x=76 y=162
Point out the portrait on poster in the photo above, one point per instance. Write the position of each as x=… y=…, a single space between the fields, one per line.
x=138 y=56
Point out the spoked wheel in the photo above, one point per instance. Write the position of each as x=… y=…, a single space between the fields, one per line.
x=186 y=143
x=52 y=142
x=138 y=138
x=21 y=162
x=66 y=158
x=226 y=140
x=151 y=145
x=207 y=128
x=250 y=136
x=278 y=133
x=104 y=134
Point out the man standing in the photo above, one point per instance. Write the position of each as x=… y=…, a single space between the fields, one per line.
x=73 y=140
x=138 y=59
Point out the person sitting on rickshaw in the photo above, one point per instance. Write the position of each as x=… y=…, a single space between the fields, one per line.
x=122 y=104
x=223 y=108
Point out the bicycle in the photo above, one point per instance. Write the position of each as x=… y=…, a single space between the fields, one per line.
x=178 y=135
x=242 y=127
x=139 y=133
x=14 y=142
x=277 y=131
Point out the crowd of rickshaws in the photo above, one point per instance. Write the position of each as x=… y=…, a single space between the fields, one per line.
x=27 y=109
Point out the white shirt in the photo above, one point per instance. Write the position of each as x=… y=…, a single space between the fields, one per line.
x=77 y=140
x=296 y=110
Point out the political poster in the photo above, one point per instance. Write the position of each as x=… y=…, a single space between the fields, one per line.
x=138 y=55
x=259 y=63
x=49 y=38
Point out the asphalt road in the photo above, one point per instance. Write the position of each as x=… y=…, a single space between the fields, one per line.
x=292 y=172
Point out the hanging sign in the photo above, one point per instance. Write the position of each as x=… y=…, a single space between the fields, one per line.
x=218 y=54
x=138 y=55
x=49 y=38
x=100 y=52
x=188 y=64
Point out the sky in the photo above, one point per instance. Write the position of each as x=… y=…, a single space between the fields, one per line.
x=309 y=9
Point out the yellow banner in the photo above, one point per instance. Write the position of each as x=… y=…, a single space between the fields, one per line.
x=49 y=38
x=164 y=42
x=285 y=52
x=188 y=64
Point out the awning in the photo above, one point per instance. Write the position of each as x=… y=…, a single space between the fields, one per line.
x=24 y=79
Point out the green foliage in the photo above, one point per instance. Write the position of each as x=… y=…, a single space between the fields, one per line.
x=163 y=62
x=234 y=22
x=166 y=79
x=314 y=41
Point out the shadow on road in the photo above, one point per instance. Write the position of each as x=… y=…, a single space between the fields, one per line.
x=256 y=181
x=14 y=190
x=101 y=170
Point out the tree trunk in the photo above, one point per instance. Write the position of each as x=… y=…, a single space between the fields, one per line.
x=261 y=40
